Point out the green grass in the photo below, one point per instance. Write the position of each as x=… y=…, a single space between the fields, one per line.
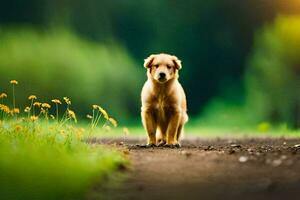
x=45 y=155
x=196 y=129
x=40 y=161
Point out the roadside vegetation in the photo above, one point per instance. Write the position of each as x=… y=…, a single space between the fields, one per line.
x=44 y=154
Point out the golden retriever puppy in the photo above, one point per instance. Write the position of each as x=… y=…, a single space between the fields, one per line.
x=164 y=110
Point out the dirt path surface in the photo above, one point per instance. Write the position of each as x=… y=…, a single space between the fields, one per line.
x=208 y=169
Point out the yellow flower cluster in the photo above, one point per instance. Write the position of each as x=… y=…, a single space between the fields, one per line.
x=4 y=108
x=27 y=109
x=34 y=118
x=14 y=82
x=104 y=113
x=56 y=101
x=3 y=95
x=33 y=115
x=37 y=104
x=67 y=100
x=72 y=115
x=32 y=97
x=15 y=110
x=46 y=105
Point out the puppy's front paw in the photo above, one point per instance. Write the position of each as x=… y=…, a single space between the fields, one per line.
x=150 y=145
x=176 y=145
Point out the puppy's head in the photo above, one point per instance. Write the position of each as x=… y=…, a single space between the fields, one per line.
x=162 y=67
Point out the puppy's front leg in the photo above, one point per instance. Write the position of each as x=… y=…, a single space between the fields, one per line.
x=172 y=128
x=149 y=122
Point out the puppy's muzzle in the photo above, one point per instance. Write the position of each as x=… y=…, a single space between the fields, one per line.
x=161 y=76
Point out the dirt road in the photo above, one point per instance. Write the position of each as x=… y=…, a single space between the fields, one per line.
x=208 y=169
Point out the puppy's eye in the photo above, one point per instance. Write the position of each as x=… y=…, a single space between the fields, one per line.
x=156 y=66
x=169 y=67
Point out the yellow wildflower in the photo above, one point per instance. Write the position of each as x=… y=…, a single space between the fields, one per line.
x=27 y=109
x=3 y=95
x=14 y=82
x=57 y=101
x=38 y=104
x=46 y=105
x=4 y=108
x=89 y=116
x=95 y=106
x=33 y=118
x=67 y=100
x=15 y=110
x=104 y=113
x=32 y=97
x=113 y=122
x=72 y=115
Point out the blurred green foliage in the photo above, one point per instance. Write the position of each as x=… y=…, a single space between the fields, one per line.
x=272 y=83
x=273 y=75
x=214 y=39
x=57 y=63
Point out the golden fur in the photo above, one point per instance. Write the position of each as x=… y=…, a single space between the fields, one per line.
x=164 y=110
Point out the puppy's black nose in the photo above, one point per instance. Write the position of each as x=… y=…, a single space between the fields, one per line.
x=162 y=75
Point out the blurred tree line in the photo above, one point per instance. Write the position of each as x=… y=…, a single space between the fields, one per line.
x=213 y=38
x=273 y=75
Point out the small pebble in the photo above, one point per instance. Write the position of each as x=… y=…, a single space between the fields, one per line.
x=236 y=145
x=243 y=159
x=297 y=145
x=283 y=157
x=276 y=162
x=209 y=148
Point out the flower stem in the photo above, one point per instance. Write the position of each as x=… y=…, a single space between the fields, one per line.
x=57 y=112
x=14 y=100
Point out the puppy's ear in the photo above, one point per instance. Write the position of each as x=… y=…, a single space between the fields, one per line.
x=176 y=62
x=148 y=61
